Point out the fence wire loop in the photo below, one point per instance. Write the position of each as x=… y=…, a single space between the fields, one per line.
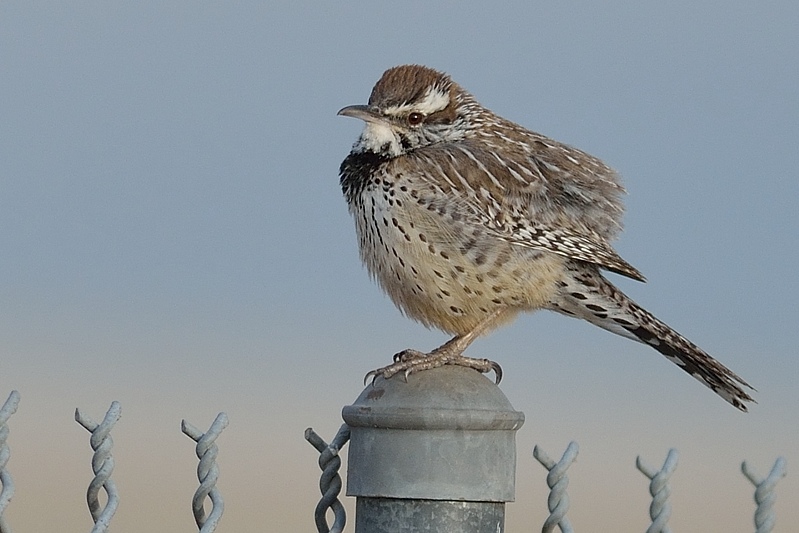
x=659 y=489
x=558 y=482
x=102 y=466
x=330 y=481
x=6 y=482
x=207 y=473
x=764 y=494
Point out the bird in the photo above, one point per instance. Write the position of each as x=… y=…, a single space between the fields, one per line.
x=466 y=219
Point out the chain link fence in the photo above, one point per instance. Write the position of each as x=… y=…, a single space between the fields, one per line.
x=103 y=466
x=330 y=483
x=557 y=480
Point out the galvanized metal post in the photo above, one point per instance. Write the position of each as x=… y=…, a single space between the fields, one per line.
x=435 y=453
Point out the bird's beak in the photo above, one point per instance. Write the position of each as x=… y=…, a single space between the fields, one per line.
x=366 y=113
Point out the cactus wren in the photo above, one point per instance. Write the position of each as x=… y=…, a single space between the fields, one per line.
x=466 y=219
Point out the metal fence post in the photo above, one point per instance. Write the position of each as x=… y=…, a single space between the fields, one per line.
x=435 y=453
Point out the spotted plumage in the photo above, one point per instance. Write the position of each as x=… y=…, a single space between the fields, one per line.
x=466 y=219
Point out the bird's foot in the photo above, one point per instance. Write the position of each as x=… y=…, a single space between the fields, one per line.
x=408 y=362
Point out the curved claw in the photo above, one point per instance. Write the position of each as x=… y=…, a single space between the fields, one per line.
x=497 y=371
x=410 y=355
x=371 y=374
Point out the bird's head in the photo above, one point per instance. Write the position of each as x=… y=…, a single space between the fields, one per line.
x=412 y=106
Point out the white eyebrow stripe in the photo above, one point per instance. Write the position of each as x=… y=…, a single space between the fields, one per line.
x=433 y=101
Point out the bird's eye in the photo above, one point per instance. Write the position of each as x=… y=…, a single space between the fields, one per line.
x=415 y=118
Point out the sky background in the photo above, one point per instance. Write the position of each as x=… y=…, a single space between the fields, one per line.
x=173 y=236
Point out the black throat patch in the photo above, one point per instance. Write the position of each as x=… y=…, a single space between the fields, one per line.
x=357 y=170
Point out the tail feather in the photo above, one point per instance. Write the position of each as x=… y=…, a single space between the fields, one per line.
x=586 y=294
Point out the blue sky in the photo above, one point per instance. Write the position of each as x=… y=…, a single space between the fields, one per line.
x=174 y=238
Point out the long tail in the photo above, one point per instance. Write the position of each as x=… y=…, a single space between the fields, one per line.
x=586 y=294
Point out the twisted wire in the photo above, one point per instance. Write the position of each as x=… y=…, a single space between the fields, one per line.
x=330 y=481
x=207 y=473
x=660 y=508
x=764 y=494
x=102 y=466
x=6 y=483
x=558 y=482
